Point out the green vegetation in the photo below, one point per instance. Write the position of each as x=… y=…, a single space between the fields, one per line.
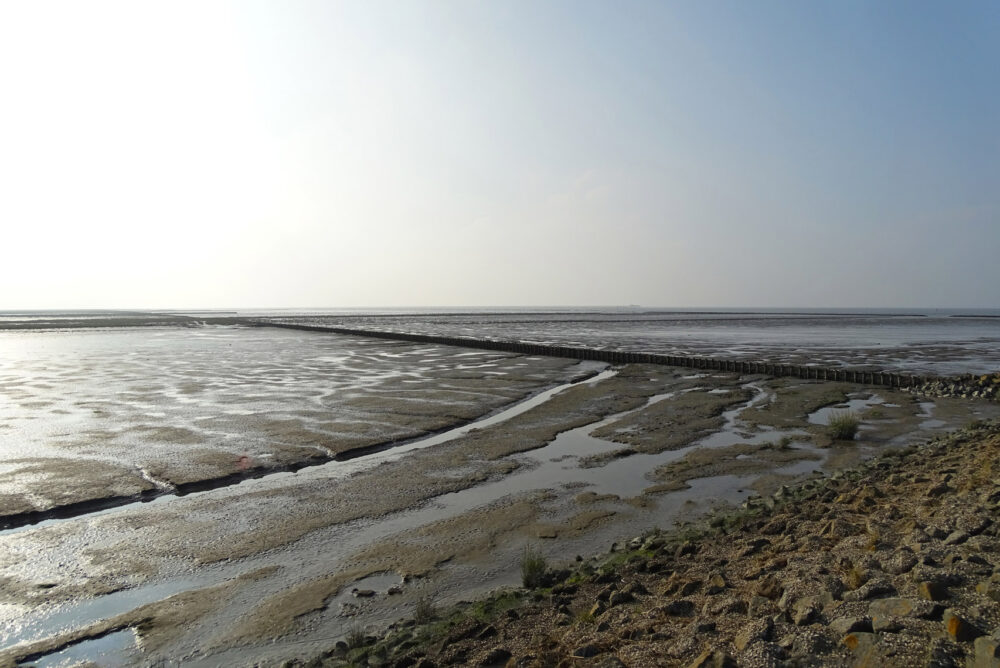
x=425 y=610
x=843 y=425
x=533 y=567
x=355 y=637
x=487 y=609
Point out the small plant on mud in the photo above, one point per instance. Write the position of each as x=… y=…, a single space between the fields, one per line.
x=533 y=567
x=425 y=610
x=355 y=637
x=843 y=425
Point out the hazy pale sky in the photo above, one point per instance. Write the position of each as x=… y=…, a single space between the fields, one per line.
x=445 y=153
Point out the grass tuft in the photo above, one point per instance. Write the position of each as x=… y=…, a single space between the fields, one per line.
x=533 y=567
x=425 y=610
x=355 y=637
x=843 y=425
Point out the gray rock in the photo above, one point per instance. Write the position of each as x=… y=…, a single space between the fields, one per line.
x=990 y=589
x=770 y=588
x=713 y=659
x=754 y=546
x=805 y=610
x=901 y=561
x=758 y=606
x=873 y=589
x=682 y=607
x=902 y=607
x=636 y=589
x=958 y=627
x=844 y=625
x=754 y=632
x=605 y=594
x=726 y=605
x=497 y=657
x=938 y=489
x=619 y=598
x=887 y=624
x=702 y=626
x=860 y=643
x=932 y=591
x=987 y=651
x=956 y=538
x=716 y=584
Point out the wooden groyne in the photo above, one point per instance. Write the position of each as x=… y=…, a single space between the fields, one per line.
x=883 y=378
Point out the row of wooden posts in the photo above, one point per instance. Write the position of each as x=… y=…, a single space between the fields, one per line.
x=624 y=357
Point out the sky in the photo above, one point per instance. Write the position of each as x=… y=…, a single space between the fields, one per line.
x=516 y=152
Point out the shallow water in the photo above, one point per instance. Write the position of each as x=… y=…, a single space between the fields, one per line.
x=823 y=415
x=112 y=650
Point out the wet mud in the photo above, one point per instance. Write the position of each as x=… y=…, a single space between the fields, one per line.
x=910 y=343
x=265 y=570
x=94 y=419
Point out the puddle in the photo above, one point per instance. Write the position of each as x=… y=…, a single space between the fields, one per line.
x=927 y=412
x=823 y=415
x=558 y=462
x=72 y=615
x=111 y=650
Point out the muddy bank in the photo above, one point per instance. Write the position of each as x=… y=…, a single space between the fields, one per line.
x=892 y=564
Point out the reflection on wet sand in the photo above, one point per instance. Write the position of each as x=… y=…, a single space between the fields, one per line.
x=265 y=569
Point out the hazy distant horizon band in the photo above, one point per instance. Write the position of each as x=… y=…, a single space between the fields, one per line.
x=539 y=310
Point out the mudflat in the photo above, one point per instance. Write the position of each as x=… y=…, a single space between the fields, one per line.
x=282 y=566
x=93 y=419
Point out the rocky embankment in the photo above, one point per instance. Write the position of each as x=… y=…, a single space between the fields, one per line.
x=894 y=564
x=986 y=386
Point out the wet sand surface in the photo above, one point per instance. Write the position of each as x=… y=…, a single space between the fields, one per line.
x=283 y=565
x=910 y=343
x=91 y=417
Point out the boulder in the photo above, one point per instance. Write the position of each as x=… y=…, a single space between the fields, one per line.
x=958 y=627
x=845 y=625
x=987 y=651
x=932 y=591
